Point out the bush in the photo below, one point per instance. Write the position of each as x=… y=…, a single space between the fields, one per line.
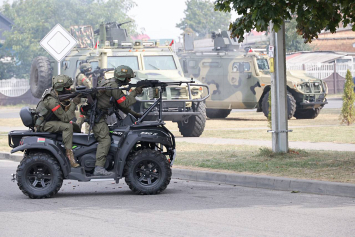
x=347 y=115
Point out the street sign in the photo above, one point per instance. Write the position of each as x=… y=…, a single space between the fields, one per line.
x=58 y=42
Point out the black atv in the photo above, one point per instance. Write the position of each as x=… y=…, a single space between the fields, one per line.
x=142 y=152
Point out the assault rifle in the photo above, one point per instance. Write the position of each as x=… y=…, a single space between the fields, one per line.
x=97 y=73
x=85 y=93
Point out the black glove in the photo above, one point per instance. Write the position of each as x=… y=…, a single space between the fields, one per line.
x=139 y=90
x=77 y=99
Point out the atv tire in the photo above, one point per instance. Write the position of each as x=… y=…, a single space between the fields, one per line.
x=218 y=113
x=194 y=125
x=307 y=113
x=39 y=175
x=147 y=172
x=41 y=76
x=291 y=105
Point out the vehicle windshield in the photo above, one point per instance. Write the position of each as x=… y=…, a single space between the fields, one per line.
x=159 y=62
x=130 y=61
x=262 y=64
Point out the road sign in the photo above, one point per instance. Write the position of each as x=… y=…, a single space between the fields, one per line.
x=58 y=42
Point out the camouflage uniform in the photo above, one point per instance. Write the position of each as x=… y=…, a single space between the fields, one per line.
x=100 y=129
x=83 y=80
x=55 y=116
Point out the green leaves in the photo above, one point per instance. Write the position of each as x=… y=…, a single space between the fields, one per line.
x=202 y=19
x=312 y=16
x=33 y=19
x=347 y=115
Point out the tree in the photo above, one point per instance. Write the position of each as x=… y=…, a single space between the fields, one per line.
x=202 y=19
x=33 y=19
x=312 y=16
x=293 y=40
x=347 y=115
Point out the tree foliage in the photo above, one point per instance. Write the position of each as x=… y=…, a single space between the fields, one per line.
x=347 y=115
x=202 y=19
x=293 y=40
x=312 y=16
x=33 y=19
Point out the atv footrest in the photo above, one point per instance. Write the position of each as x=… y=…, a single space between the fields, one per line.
x=80 y=175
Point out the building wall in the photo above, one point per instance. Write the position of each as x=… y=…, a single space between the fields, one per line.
x=342 y=41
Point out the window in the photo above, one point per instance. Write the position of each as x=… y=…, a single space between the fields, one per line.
x=192 y=63
x=159 y=62
x=241 y=67
x=262 y=64
x=130 y=61
x=94 y=64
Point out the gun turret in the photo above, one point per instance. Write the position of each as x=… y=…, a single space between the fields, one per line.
x=111 y=34
x=222 y=41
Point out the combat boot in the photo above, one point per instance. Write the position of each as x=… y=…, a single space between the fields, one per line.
x=100 y=171
x=71 y=158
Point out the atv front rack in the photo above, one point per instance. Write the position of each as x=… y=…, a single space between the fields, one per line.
x=159 y=101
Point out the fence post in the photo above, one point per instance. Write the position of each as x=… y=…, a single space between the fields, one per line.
x=334 y=78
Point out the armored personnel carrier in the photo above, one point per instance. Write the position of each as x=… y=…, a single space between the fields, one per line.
x=241 y=80
x=182 y=104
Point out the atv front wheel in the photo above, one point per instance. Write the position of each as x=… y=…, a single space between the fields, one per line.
x=218 y=113
x=147 y=172
x=39 y=175
x=291 y=105
x=194 y=125
x=307 y=113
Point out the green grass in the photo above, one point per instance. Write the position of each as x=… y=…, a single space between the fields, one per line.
x=319 y=165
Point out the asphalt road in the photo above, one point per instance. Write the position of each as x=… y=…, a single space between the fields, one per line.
x=186 y=208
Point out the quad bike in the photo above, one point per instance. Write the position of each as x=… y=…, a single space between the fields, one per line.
x=142 y=152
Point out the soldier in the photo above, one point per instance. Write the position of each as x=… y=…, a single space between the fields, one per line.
x=55 y=116
x=122 y=74
x=83 y=80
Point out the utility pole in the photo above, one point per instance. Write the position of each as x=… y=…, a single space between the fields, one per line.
x=279 y=113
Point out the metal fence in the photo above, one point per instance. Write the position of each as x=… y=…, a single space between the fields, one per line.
x=14 y=87
x=323 y=70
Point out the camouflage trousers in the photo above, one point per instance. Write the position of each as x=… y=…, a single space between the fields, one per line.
x=102 y=135
x=58 y=126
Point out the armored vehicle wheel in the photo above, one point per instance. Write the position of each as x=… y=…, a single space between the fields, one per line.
x=307 y=113
x=291 y=105
x=218 y=113
x=194 y=125
x=41 y=76
x=39 y=175
x=147 y=172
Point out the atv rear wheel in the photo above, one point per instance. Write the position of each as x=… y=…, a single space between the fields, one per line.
x=194 y=125
x=307 y=113
x=39 y=175
x=291 y=105
x=147 y=172
x=218 y=113
x=41 y=76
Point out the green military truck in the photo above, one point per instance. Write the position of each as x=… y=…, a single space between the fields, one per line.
x=183 y=104
x=241 y=80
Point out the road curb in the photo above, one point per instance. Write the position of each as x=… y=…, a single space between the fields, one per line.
x=253 y=181
x=269 y=182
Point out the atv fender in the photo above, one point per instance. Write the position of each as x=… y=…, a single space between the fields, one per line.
x=38 y=143
x=149 y=135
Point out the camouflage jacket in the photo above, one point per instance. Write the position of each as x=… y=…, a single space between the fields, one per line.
x=50 y=102
x=123 y=101
x=82 y=80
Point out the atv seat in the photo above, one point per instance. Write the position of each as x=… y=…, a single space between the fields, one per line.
x=82 y=139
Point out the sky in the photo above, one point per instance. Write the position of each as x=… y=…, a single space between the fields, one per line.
x=159 y=17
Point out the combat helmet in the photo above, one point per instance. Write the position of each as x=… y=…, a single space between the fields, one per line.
x=122 y=72
x=61 y=81
x=85 y=67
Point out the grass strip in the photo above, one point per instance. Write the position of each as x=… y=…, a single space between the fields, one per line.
x=317 y=165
